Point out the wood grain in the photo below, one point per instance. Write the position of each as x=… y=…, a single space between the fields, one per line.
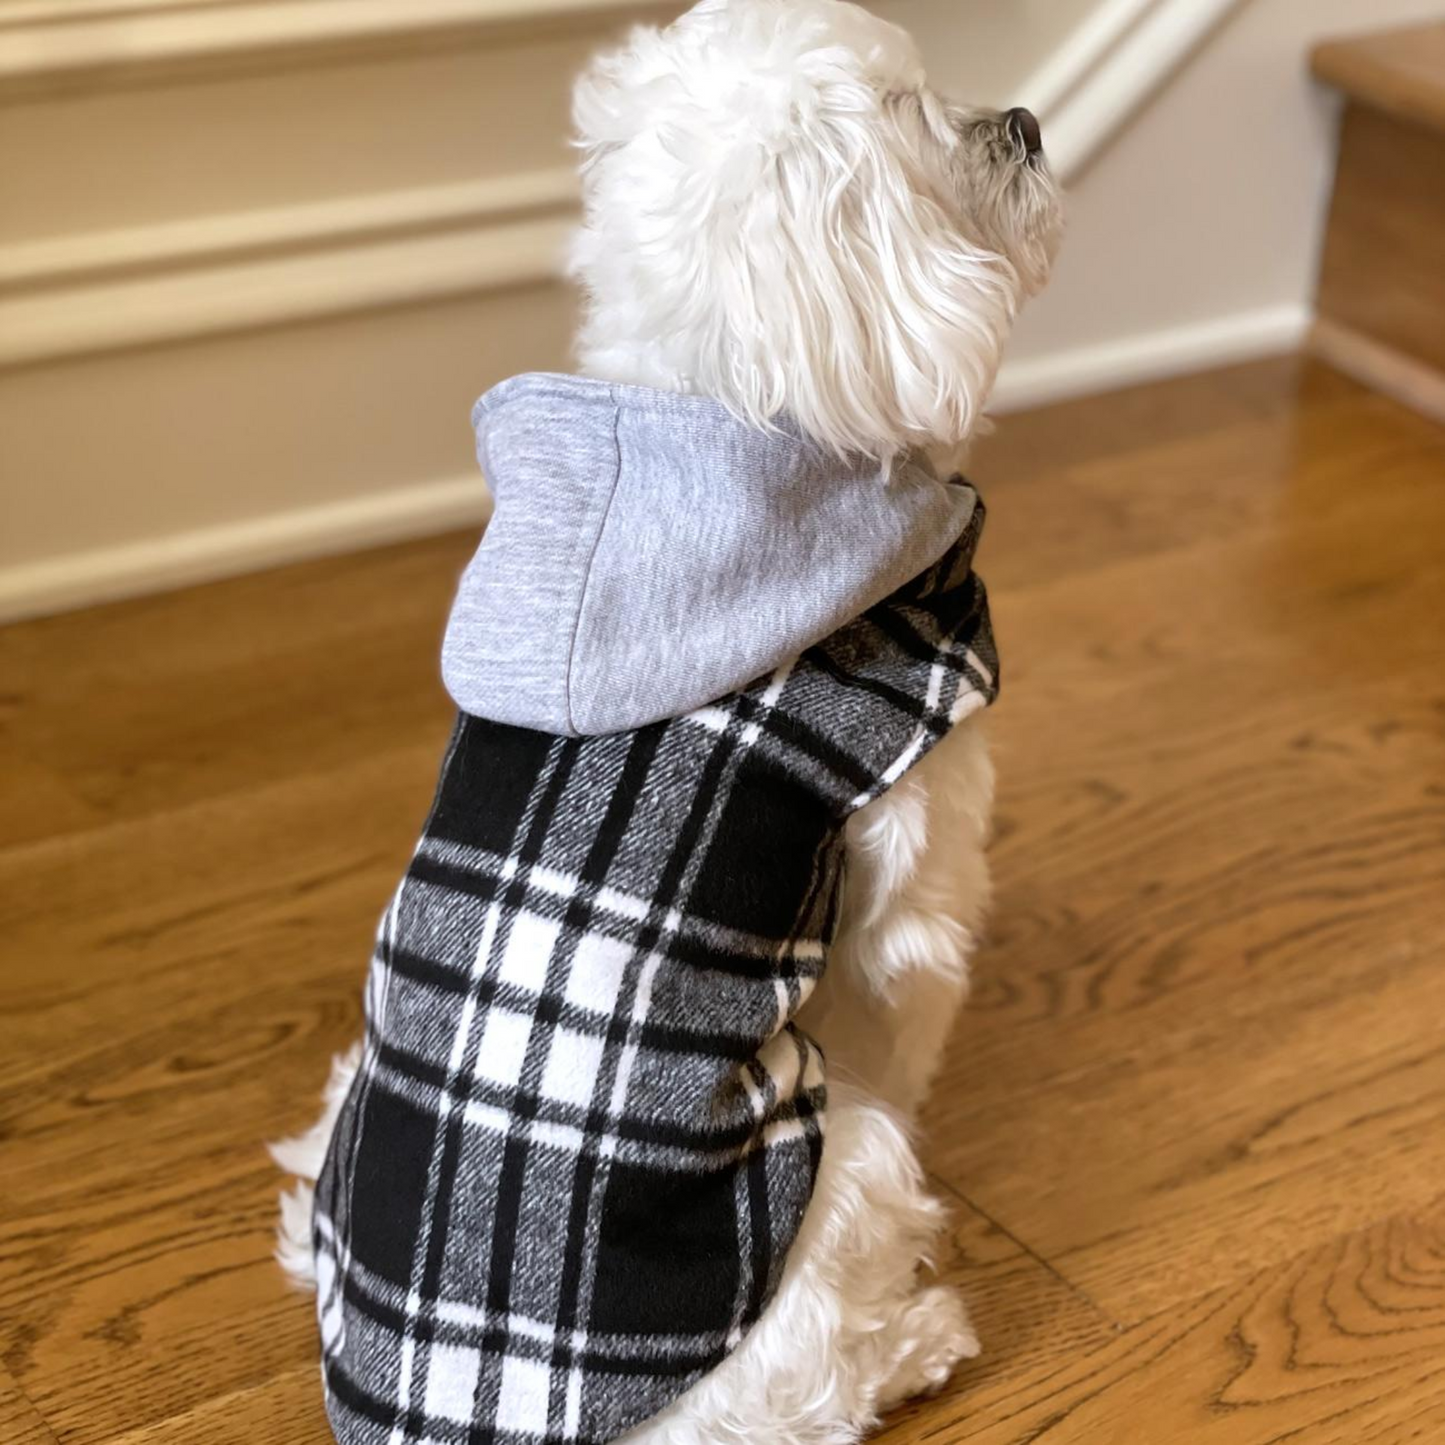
x=1381 y=274
x=1342 y=1344
x=19 y=1423
x=1192 y=1128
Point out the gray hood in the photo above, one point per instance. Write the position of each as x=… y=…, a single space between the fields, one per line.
x=649 y=553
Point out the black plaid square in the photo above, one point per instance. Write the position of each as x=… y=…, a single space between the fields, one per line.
x=586 y=1129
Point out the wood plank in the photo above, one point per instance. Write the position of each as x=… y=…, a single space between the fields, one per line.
x=284 y=1410
x=19 y=1422
x=145 y=705
x=197 y=1012
x=235 y=893
x=1236 y=1126
x=1400 y=72
x=1031 y=448
x=1222 y=819
x=1244 y=479
x=1381 y=273
x=1343 y=1345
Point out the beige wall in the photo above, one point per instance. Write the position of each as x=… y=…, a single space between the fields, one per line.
x=986 y=50
x=1193 y=236
x=257 y=258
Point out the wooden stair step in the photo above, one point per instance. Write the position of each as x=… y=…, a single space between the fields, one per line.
x=1381 y=296
x=1400 y=72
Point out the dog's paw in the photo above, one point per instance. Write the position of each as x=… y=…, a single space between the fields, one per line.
x=930 y=1336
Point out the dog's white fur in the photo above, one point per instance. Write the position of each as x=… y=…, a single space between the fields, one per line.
x=782 y=215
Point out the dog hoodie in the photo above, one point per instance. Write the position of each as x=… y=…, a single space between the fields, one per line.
x=587 y=1124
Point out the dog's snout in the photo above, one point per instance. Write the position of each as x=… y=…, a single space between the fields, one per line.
x=1023 y=126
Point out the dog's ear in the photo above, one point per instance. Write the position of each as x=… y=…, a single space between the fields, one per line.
x=834 y=282
x=766 y=205
x=858 y=300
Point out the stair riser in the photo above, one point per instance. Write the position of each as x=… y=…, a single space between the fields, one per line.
x=1383 y=271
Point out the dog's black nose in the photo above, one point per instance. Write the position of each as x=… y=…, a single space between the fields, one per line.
x=1023 y=126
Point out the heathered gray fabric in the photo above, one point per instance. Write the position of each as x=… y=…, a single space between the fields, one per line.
x=649 y=553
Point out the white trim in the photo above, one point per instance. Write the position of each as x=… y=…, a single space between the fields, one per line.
x=1082 y=51
x=1109 y=66
x=47 y=46
x=1151 y=356
x=341 y=221
x=81 y=579
x=185 y=279
x=16 y=13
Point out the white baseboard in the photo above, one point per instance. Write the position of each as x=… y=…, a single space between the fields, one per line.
x=1037 y=381
x=108 y=574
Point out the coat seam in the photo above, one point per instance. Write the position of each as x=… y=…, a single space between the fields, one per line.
x=587 y=572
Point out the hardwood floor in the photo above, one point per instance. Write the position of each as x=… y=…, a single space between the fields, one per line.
x=1193 y=1125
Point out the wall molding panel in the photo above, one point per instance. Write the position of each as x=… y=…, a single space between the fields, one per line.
x=166 y=316
x=49 y=46
x=177 y=280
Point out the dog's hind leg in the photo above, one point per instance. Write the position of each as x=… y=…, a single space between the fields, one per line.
x=926 y=1339
x=853 y=1328
x=915 y=889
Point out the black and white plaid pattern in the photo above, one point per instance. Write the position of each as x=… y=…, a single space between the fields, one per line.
x=586 y=1128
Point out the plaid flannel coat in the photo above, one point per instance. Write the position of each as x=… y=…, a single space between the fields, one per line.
x=586 y=1126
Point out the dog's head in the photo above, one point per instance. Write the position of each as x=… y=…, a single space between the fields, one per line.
x=780 y=213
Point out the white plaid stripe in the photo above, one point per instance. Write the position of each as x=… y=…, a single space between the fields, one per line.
x=613 y=903
x=448 y=1105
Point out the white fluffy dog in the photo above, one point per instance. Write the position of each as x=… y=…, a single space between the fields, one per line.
x=782 y=215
